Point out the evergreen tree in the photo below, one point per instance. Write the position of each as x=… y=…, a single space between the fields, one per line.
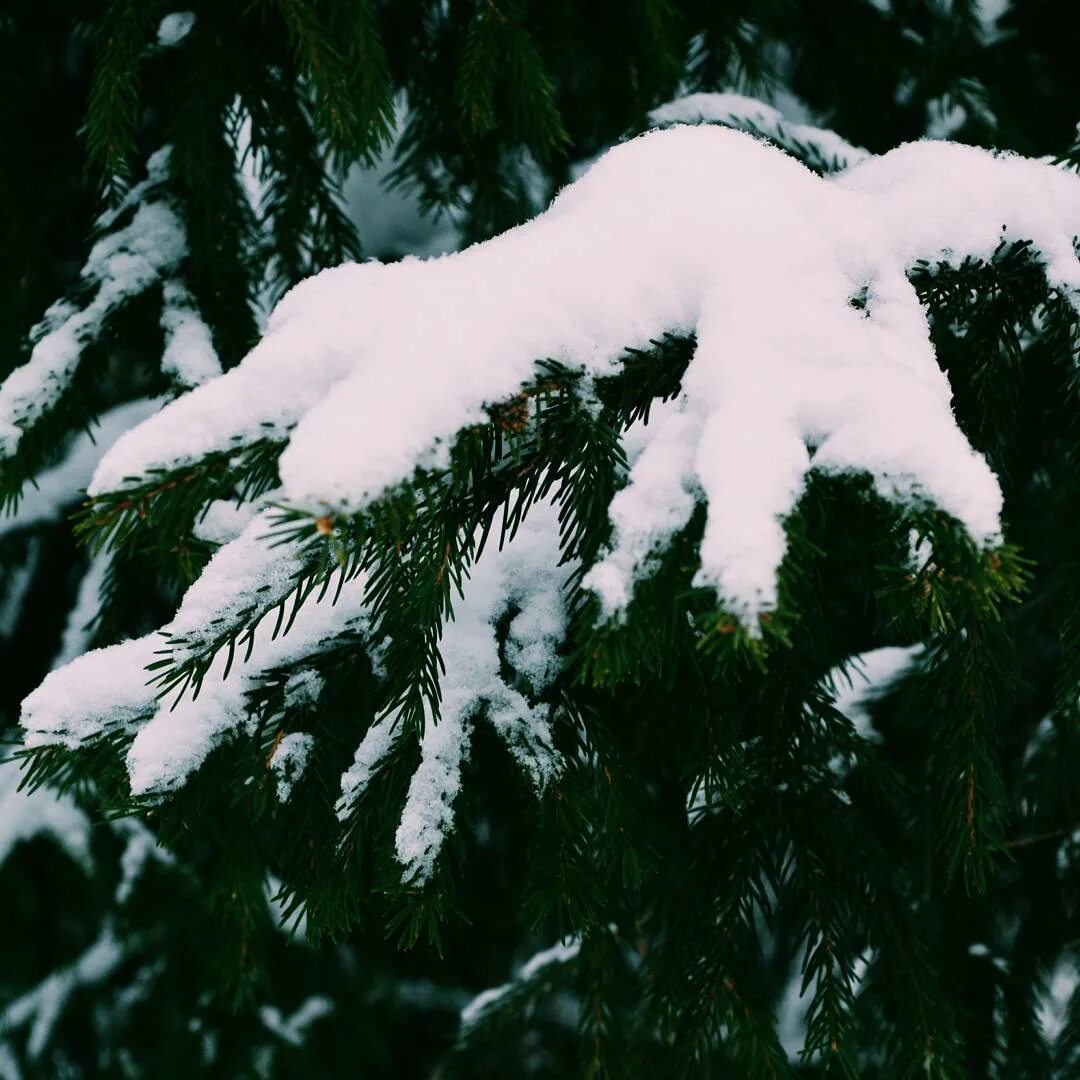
x=617 y=649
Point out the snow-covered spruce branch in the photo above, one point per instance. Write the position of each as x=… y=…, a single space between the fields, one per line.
x=142 y=243
x=808 y=332
x=523 y=577
x=405 y=541
x=539 y=966
x=41 y=1007
x=43 y=813
x=685 y=230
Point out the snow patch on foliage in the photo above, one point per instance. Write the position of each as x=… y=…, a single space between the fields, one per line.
x=292 y=1029
x=174 y=27
x=175 y=742
x=225 y=519
x=290 y=760
x=141 y=848
x=428 y=817
x=102 y=690
x=657 y=501
x=9 y=1064
x=43 y=1006
x=189 y=357
x=302 y=689
x=239 y=571
x=1053 y=1009
x=990 y=13
x=524 y=574
x=375 y=747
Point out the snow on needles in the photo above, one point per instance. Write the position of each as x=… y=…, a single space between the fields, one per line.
x=524 y=575
x=173 y=743
x=122 y=264
x=686 y=229
x=107 y=689
x=289 y=761
x=189 y=357
x=538 y=965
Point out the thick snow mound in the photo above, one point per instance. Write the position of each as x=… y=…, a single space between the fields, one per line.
x=369 y=370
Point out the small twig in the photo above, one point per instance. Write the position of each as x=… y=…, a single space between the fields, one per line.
x=1038 y=838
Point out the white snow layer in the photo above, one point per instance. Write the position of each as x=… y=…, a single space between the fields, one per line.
x=174 y=742
x=302 y=689
x=293 y=1029
x=43 y=1006
x=224 y=519
x=687 y=229
x=189 y=355
x=1053 y=1010
x=107 y=689
x=140 y=849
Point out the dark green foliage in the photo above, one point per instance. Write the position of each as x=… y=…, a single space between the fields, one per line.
x=722 y=835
